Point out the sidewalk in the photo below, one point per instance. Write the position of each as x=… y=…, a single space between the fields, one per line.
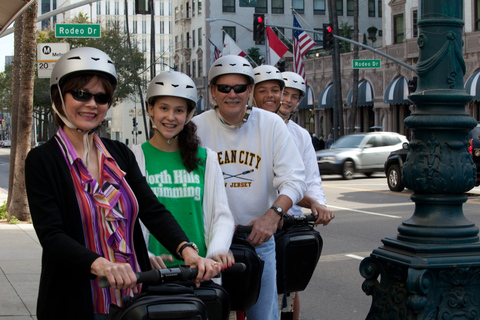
x=20 y=255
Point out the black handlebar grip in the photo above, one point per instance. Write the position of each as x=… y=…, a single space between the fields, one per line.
x=243 y=229
x=236 y=267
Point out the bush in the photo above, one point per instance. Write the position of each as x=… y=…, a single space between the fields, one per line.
x=3 y=210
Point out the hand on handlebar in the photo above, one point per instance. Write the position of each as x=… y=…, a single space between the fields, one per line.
x=119 y=275
x=207 y=268
x=324 y=215
x=157 y=262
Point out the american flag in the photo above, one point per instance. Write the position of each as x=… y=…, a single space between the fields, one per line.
x=216 y=53
x=301 y=44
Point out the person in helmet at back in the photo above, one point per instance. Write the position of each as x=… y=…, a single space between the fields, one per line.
x=293 y=93
x=263 y=178
x=268 y=89
x=185 y=177
x=85 y=194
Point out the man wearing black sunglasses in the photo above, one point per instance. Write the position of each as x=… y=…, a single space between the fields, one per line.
x=263 y=171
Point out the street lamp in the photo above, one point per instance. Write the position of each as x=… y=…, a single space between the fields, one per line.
x=220 y=19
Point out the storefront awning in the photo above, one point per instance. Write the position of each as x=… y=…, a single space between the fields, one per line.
x=10 y=10
x=307 y=102
x=365 y=95
x=325 y=99
x=397 y=92
x=473 y=86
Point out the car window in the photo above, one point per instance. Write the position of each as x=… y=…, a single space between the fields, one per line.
x=375 y=141
x=391 y=140
x=348 y=142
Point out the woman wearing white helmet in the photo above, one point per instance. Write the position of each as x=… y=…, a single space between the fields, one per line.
x=185 y=177
x=85 y=194
x=269 y=84
x=295 y=90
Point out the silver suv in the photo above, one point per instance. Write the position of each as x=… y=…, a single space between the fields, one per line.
x=362 y=152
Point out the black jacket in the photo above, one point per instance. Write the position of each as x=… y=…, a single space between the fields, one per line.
x=65 y=291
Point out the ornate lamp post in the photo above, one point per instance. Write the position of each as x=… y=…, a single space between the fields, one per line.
x=431 y=269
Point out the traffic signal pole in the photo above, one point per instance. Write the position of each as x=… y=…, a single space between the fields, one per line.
x=403 y=64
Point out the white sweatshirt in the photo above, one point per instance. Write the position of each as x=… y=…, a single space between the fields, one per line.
x=303 y=141
x=259 y=161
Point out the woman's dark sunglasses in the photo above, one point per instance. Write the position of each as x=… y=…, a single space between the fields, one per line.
x=239 y=88
x=82 y=95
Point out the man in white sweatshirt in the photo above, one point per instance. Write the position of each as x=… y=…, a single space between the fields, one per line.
x=263 y=170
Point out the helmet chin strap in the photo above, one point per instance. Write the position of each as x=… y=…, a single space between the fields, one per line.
x=169 y=141
x=68 y=123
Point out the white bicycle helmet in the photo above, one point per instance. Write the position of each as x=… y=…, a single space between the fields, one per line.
x=84 y=59
x=174 y=84
x=295 y=81
x=267 y=73
x=230 y=64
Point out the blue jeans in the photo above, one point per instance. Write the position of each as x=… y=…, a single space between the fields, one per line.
x=266 y=307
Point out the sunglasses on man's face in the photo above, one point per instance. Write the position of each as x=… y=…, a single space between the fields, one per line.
x=82 y=95
x=239 y=88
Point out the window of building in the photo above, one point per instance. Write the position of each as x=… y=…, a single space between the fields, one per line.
x=162 y=27
x=135 y=42
x=135 y=26
x=189 y=73
x=350 y=8
x=228 y=5
x=107 y=8
x=177 y=45
x=339 y=4
x=161 y=9
x=193 y=39
x=415 y=23
x=231 y=31
x=371 y=8
x=298 y=5
x=144 y=26
x=318 y=37
x=193 y=8
x=194 y=69
x=200 y=37
x=188 y=40
x=200 y=67
x=278 y=6
x=144 y=45
x=117 y=8
x=199 y=7
x=398 y=33
x=319 y=7
x=99 y=8
x=261 y=6
x=188 y=10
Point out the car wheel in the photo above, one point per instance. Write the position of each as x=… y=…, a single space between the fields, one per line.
x=394 y=178
x=348 y=170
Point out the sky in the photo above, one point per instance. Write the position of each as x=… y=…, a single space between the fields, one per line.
x=6 y=49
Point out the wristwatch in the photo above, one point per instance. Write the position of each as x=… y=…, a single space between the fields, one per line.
x=278 y=210
x=188 y=244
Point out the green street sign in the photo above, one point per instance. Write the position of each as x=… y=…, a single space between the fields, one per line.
x=77 y=30
x=366 y=64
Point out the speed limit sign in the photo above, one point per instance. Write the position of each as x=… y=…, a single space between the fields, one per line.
x=47 y=55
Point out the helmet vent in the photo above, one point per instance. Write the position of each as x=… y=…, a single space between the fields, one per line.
x=160 y=83
x=174 y=85
x=189 y=87
x=95 y=59
x=75 y=58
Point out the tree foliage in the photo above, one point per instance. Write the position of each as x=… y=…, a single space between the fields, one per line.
x=346 y=31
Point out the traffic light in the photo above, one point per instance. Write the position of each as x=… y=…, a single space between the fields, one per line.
x=327 y=36
x=258 y=27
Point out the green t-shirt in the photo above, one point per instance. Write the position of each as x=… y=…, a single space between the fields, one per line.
x=181 y=192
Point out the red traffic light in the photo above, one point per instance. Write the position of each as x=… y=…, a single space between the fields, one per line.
x=259 y=19
x=329 y=29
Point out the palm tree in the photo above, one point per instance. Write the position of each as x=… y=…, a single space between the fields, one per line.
x=22 y=113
